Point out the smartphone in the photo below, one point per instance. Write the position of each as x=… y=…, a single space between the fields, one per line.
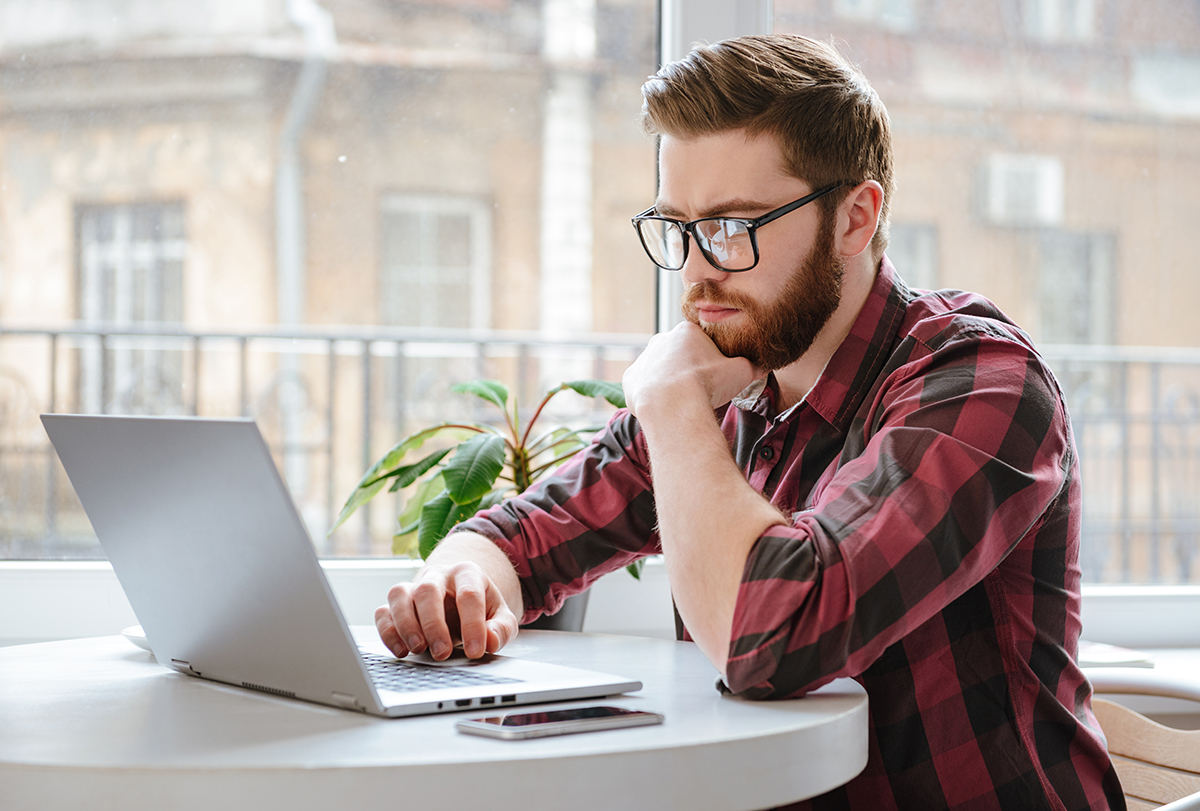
x=519 y=725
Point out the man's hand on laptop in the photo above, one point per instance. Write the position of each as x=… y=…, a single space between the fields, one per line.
x=444 y=605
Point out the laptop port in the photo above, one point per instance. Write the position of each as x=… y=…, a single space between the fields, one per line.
x=463 y=702
x=508 y=699
x=488 y=700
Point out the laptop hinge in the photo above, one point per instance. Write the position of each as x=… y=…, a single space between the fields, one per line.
x=184 y=667
x=347 y=701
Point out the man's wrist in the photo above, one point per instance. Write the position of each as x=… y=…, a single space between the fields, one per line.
x=674 y=405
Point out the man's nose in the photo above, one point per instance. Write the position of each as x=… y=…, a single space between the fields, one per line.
x=697 y=268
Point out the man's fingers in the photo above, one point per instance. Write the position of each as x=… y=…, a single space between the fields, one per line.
x=501 y=631
x=470 y=589
x=404 y=618
x=502 y=624
x=429 y=601
x=388 y=633
x=442 y=605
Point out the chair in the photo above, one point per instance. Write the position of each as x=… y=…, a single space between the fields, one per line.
x=1159 y=766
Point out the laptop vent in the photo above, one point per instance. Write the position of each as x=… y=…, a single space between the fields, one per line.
x=271 y=690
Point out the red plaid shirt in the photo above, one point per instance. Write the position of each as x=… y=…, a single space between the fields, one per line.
x=933 y=487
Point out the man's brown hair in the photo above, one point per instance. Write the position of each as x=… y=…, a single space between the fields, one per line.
x=830 y=123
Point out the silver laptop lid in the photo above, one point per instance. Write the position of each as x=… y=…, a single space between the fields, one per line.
x=206 y=542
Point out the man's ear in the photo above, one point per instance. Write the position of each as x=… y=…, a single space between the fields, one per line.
x=857 y=218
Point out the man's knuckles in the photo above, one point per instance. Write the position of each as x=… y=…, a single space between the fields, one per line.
x=399 y=593
x=427 y=592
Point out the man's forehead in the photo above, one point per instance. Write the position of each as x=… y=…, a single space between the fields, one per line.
x=720 y=173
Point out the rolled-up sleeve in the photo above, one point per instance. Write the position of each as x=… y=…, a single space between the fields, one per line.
x=592 y=516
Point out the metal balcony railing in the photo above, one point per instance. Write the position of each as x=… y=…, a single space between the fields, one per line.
x=330 y=401
x=1136 y=415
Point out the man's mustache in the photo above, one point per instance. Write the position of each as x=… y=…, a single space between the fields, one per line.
x=712 y=293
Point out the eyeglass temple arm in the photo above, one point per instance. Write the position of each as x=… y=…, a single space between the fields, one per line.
x=790 y=207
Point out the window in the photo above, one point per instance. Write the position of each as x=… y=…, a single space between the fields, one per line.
x=912 y=248
x=436 y=262
x=447 y=99
x=381 y=200
x=1078 y=287
x=130 y=272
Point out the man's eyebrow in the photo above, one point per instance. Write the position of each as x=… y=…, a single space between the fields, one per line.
x=739 y=205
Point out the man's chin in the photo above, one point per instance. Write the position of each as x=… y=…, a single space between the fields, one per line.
x=731 y=341
x=730 y=347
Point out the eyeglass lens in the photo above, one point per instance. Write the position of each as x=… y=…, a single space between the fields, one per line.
x=725 y=242
x=663 y=241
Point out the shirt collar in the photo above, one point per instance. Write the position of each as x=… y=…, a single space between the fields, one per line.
x=855 y=365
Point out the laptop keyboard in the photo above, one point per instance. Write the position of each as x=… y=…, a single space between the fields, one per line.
x=392 y=674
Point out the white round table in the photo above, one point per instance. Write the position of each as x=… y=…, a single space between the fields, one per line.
x=98 y=724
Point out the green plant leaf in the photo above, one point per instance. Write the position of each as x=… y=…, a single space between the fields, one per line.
x=390 y=461
x=359 y=497
x=474 y=468
x=491 y=390
x=404 y=543
x=410 y=473
x=599 y=388
x=438 y=517
x=374 y=479
x=635 y=568
x=410 y=516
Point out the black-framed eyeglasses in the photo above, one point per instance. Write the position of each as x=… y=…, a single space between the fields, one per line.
x=728 y=243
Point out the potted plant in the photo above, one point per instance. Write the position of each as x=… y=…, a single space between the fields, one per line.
x=485 y=464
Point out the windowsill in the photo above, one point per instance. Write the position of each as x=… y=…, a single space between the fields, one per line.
x=44 y=600
x=48 y=600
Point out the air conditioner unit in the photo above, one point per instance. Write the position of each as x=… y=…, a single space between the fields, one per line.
x=1022 y=190
x=1060 y=20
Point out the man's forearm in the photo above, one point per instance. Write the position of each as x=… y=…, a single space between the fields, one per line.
x=463 y=546
x=709 y=518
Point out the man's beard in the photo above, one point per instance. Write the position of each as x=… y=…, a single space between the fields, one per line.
x=776 y=334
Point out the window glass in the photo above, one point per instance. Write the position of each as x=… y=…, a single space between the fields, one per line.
x=1043 y=153
x=318 y=213
x=130 y=271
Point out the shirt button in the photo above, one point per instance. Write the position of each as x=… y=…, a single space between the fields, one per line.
x=766 y=453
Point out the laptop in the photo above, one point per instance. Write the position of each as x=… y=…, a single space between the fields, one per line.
x=223 y=577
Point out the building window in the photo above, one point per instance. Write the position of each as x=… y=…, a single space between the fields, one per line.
x=1078 y=276
x=130 y=272
x=436 y=257
x=913 y=250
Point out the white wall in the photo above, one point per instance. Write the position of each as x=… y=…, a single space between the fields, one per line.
x=47 y=600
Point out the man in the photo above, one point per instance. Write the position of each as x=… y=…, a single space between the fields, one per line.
x=888 y=489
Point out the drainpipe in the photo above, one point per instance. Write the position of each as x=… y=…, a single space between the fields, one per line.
x=319 y=42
